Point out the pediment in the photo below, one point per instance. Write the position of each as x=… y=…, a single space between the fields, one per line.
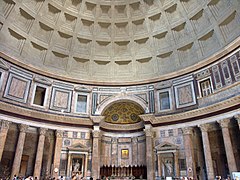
x=78 y=147
x=3 y=65
x=166 y=146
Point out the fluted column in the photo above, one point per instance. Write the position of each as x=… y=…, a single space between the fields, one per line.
x=3 y=136
x=176 y=165
x=19 y=150
x=237 y=117
x=57 y=153
x=228 y=145
x=114 y=157
x=50 y=139
x=96 y=154
x=207 y=150
x=189 y=151
x=149 y=152
x=39 y=155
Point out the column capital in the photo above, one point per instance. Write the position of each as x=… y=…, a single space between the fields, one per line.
x=23 y=127
x=237 y=117
x=149 y=132
x=204 y=127
x=187 y=130
x=114 y=140
x=42 y=131
x=5 y=124
x=59 y=133
x=134 y=140
x=96 y=133
x=224 y=123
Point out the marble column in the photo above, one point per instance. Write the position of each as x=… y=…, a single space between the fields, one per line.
x=237 y=117
x=114 y=152
x=159 y=165
x=207 y=150
x=228 y=145
x=96 y=154
x=149 y=152
x=19 y=150
x=189 y=151
x=50 y=139
x=39 y=155
x=176 y=163
x=3 y=136
x=57 y=153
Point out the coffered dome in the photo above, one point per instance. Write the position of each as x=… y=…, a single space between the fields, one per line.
x=116 y=41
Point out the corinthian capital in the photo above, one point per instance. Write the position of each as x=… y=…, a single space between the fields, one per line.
x=59 y=133
x=149 y=132
x=96 y=133
x=42 y=131
x=5 y=125
x=204 y=127
x=23 y=127
x=224 y=123
x=187 y=130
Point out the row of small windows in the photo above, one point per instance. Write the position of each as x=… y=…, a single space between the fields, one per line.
x=170 y=132
x=40 y=95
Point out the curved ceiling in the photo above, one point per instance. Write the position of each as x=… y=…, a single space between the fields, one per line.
x=116 y=40
x=123 y=113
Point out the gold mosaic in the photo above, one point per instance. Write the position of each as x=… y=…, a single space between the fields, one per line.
x=123 y=113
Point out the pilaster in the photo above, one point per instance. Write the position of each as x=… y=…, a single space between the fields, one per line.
x=96 y=154
x=57 y=153
x=3 y=135
x=224 y=124
x=149 y=152
x=189 y=151
x=207 y=150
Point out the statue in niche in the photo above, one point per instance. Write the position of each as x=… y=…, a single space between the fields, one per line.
x=76 y=166
x=169 y=167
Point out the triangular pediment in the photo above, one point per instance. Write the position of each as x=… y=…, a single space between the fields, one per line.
x=3 y=65
x=166 y=146
x=78 y=147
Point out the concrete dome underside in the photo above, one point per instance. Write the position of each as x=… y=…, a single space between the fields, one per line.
x=117 y=41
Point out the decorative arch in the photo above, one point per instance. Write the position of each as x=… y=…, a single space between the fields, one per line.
x=127 y=98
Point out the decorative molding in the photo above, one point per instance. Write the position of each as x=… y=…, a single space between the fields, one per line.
x=122 y=127
x=3 y=65
x=82 y=89
x=42 y=80
x=147 y=117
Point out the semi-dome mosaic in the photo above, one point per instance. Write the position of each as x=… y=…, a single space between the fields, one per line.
x=116 y=41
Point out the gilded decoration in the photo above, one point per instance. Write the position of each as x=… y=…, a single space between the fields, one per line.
x=123 y=113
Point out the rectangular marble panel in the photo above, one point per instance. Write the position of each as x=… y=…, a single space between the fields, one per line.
x=185 y=95
x=61 y=99
x=17 y=88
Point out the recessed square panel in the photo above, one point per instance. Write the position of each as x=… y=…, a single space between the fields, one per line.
x=185 y=95
x=61 y=99
x=17 y=88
